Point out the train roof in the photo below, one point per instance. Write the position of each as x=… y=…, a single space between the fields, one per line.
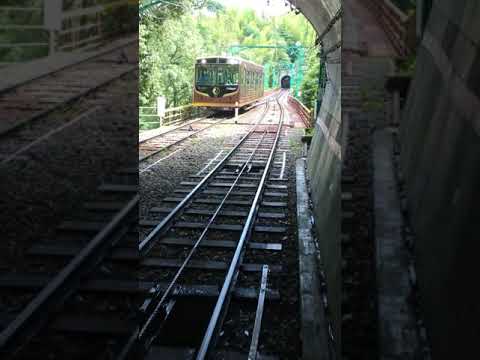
x=224 y=60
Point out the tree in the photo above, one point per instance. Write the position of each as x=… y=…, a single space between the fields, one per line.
x=171 y=39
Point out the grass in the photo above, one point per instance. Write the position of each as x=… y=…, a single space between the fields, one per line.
x=309 y=131
x=308 y=135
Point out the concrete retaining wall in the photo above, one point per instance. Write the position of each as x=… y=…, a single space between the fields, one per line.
x=324 y=161
x=440 y=157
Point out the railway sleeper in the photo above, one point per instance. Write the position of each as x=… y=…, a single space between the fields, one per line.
x=95 y=324
x=82 y=226
x=233 y=177
x=233 y=193
x=132 y=253
x=223 y=227
x=29 y=281
x=120 y=188
x=278 y=204
x=229 y=213
x=103 y=205
x=169 y=352
x=155 y=262
x=222 y=184
x=66 y=250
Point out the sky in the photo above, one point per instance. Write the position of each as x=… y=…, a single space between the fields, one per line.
x=275 y=8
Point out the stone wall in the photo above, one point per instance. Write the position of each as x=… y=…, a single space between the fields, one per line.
x=324 y=160
x=440 y=136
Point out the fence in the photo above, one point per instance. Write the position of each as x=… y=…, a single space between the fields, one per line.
x=22 y=33
x=305 y=113
x=173 y=116
x=397 y=24
x=60 y=26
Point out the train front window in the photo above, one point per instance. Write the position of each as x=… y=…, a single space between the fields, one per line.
x=223 y=75
x=206 y=75
x=227 y=75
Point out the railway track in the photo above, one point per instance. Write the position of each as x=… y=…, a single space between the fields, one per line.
x=211 y=244
x=80 y=293
x=36 y=109
x=152 y=146
x=165 y=140
x=76 y=296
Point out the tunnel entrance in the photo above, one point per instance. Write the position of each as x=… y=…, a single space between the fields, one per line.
x=285 y=82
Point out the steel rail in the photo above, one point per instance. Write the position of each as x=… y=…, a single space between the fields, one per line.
x=214 y=216
x=185 y=138
x=88 y=58
x=54 y=294
x=70 y=100
x=180 y=140
x=232 y=274
x=252 y=354
x=132 y=350
x=147 y=243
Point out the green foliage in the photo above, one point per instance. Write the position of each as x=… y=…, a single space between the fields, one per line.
x=310 y=82
x=27 y=25
x=171 y=39
x=12 y=35
x=167 y=55
x=407 y=66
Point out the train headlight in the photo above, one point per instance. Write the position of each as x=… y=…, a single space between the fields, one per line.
x=203 y=61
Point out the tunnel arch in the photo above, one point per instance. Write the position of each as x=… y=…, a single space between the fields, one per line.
x=285 y=82
x=325 y=154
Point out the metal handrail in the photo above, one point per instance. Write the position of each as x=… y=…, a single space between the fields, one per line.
x=171 y=115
